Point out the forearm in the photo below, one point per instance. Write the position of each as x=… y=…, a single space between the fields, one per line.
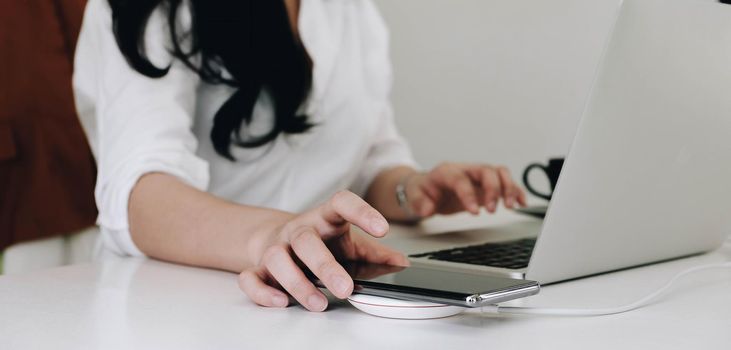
x=172 y=221
x=382 y=193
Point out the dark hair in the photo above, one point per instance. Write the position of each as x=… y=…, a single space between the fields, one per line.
x=251 y=40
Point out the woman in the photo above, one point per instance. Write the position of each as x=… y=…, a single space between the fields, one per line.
x=228 y=133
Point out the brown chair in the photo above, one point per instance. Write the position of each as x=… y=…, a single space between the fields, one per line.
x=47 y=172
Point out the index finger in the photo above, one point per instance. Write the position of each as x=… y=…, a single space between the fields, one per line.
x=313 y=252
x=346 y=206
x=456 y=180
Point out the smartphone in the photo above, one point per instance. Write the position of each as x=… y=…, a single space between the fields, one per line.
x=432 y=285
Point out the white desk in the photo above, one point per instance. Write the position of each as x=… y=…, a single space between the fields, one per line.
x=138 y=303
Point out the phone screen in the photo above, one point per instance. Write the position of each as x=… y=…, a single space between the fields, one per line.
x=421 y=283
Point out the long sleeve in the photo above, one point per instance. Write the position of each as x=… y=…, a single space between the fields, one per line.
x=388 y=148
x=135 y=124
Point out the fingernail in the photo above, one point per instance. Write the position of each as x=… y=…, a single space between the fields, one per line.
x=474 y=208
x=509 y=202
x=279 y=301
x=379 y=225
x=491 y=206
x=316 y=302
x=341 y=285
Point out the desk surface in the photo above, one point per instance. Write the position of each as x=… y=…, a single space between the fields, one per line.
x=140 y=303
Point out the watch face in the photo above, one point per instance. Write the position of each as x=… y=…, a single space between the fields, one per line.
x=403 y=199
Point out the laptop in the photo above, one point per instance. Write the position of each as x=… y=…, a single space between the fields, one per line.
x=648 y=176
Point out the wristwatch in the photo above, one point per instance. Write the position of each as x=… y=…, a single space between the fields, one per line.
x=403 y=199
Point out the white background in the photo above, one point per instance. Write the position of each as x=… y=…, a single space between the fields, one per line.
x=495 y=81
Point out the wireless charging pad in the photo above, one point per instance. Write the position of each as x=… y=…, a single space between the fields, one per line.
x=402 y=309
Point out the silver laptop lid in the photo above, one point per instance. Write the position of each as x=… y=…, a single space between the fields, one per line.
x=648 y=176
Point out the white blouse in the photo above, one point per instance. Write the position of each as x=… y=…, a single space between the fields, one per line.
x=137 y=125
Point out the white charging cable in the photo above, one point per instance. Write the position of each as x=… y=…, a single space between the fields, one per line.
x=603 y=311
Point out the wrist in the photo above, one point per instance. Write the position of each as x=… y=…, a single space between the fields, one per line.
x=381 y=193
x=402 y=196
x=266 y=233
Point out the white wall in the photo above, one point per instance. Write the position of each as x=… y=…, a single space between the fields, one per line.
x=498 y=81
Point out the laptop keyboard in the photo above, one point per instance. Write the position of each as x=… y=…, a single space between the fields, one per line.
x=510 y=254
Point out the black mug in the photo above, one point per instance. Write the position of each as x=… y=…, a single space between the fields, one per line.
x=552 y=170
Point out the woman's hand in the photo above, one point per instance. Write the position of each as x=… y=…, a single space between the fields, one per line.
x=318 y=239
x=450 y=188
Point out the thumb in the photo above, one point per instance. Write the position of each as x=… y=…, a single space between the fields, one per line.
x=421 y=204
